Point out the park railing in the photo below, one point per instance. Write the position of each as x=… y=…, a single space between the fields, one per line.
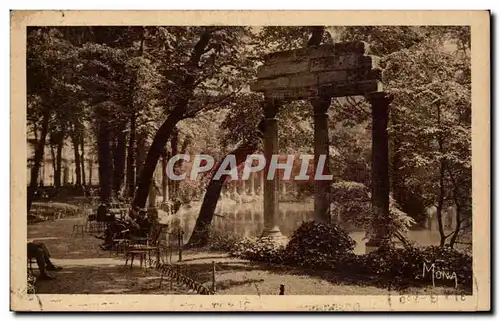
x=170 y=262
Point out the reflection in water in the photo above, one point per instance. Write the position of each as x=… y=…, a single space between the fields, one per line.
x=247 y=220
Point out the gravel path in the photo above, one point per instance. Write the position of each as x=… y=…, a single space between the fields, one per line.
x=89 y=270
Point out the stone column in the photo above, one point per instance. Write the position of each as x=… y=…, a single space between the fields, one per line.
x=164 y=176
x=283 y=189
x=261 y=182
x=380 y=169
x=243 y=187
x=252 y=184
x=152 y=194
x=271 y=203
x=42 y=175
x=65 y=174
x=321 y=147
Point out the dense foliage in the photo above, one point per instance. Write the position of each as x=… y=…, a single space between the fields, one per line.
x=263 y=249
x=327 y=247
x=222 y=241
x=319 y=245
x=110 y=92
x=409 y=266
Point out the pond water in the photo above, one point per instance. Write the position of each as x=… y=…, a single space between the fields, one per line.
x=247 y=220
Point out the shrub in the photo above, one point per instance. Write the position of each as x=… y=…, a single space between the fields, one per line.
x=404 y=267
x=319 y=245
x=401 y=266
x=351 y=204
x=450 y=260
x=41 y=211
x=222 y=241
x=30 y=283
x=326 y=246
x=260 y=249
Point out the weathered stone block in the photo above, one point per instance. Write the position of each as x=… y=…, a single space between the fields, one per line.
x=268 y=84
x=353 y=89
x=340 y=69
x=352 y=61
x=363 y=74
x=291 y=94
x=270 y=71
x=303 y=80
x=317 y=52
x=332 y=76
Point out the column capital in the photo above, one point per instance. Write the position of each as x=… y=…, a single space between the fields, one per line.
x=379 y=98
x=321 y=104
x=271 y=107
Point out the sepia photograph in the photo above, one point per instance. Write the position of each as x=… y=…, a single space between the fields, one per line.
x=206 y=160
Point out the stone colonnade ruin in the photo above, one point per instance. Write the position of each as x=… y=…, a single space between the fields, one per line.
x=318 y=74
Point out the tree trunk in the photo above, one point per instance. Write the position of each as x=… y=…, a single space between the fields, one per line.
x=397 y=179
x=39 y=151
x=164 y=177
x=91 y=168
x=153 y=155
x=174 y=146
x=187 y=89
x=183 y=150
x=119 y=157
x=140 y=157
x=78 y=169
x=132 y=144
x=35 y=132
x=58 y=172
x=105 y=161
x=185 y=145
x=442 y=167
x=54 y=161
x=458 y=216
x=82 y=159
x=199 y=237
x=131 y=157
x=439 y=210
x=458 y=224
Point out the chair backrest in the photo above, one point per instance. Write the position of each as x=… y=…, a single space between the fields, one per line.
x=156 y=232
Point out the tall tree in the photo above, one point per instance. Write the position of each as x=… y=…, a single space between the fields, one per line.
x=251 y=109
x=107 y=76
x=431 y=86
x=50 y=62
x=197 y=60
x=82 y=158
